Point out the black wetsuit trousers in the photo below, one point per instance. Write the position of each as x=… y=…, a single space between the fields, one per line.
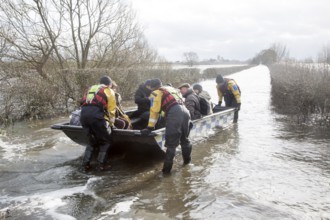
x=231 y=102
x=92 y=119
x=177 y=132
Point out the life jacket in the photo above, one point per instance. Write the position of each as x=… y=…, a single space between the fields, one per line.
x=95 y=96
x=170 y=98
x=224 y=88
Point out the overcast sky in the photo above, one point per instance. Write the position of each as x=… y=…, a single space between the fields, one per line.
x=234 y=29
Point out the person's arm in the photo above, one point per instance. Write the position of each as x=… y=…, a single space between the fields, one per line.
x=111 y=105
x=234 y=89
x=190 y=105
x=155 y=107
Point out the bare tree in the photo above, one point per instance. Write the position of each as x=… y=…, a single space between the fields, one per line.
x=324 y=54
x=4 y=47
x=191 y=58
x=280 y=50
x=30 y=30
x=98 y=33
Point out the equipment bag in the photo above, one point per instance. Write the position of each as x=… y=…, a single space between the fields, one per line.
x=75 y=118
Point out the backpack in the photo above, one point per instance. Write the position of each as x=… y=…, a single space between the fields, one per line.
x=75 y=118
x=205 y=106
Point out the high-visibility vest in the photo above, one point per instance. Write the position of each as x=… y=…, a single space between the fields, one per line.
x=224 y=88
x=170 y=98
x=95 y=95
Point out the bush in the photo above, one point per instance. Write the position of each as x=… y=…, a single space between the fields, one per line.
x=25 y=94
x=302 y=91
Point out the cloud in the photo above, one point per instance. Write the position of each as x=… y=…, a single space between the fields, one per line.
x=236 y=29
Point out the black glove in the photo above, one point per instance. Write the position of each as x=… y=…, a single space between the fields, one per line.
x=147 y=131
x=219 y=103
x=238 y=106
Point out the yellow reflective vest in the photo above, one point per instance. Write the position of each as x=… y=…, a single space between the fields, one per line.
x=104 y=97
x=161 y=100
x=232 y=88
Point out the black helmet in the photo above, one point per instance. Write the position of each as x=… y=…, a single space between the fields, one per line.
x=155 y=83
x=106 y=80
x=219 y=79
x=198 y=87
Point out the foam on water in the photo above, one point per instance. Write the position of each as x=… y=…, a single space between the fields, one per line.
x=11 y=151
x=120 y=207
x=49 y=202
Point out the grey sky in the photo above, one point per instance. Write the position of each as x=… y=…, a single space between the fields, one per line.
x=235 y=29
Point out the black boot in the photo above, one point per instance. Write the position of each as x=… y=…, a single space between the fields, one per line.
x=168 y=162
x=186 y=154
x=104 y=167
x=167 y=167
x=102 y=158
x=85 y=167
x=236 y=116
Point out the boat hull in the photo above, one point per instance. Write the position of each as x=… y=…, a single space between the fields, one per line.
x=130 y=139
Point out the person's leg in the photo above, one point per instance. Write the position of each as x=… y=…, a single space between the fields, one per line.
x=172 y=136
x=87 y=158
x=85 y=122
x=145 y=115
x=144 y=119
x=103 y=135
x=103 y=157
x=186 y=146
x=234 y=104
x=168 y=161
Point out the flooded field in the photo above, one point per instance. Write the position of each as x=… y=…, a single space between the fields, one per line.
x=260 y=168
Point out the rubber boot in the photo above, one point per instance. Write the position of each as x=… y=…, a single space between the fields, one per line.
x=168 y=162
x=186 y=154
x=102 y=158
x=236 y=116
x=85 y=167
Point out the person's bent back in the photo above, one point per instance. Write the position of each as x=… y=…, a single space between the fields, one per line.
x=191 y=101
x=98 y=116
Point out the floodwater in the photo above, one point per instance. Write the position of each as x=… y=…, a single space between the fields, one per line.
x=260 y=168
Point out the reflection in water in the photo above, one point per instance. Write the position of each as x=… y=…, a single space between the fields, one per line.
x=260 y=168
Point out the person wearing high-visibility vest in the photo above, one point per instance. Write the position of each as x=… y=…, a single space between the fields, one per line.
x=178 y=124
x=230 y=91
x=98 y=116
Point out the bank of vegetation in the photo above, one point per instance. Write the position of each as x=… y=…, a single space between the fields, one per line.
x=210 y=73
x=27 y=95
x=300 y=90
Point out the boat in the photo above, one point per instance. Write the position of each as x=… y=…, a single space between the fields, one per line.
x=124 y=140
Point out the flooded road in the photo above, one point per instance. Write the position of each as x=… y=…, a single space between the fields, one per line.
x=260 y=168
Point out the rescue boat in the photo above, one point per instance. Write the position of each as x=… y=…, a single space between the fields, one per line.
x=123 y=140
